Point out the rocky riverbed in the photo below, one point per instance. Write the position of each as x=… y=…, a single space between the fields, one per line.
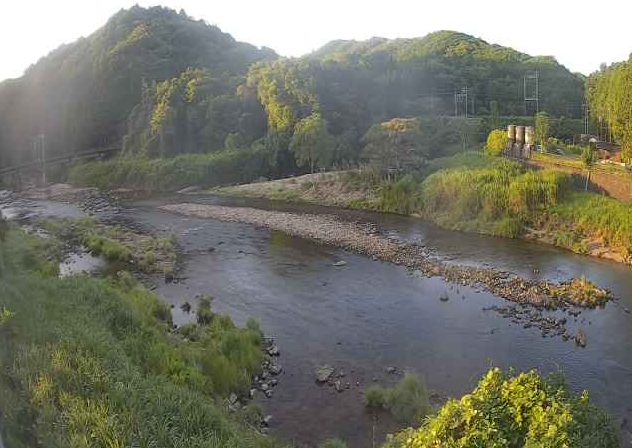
x=366 y=239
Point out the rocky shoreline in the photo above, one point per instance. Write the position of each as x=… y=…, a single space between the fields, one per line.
x=366 y=239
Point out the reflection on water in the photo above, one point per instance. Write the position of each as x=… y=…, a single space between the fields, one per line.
x=367 y=315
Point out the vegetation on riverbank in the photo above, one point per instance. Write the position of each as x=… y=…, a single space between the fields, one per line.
x=476 y=193
x=408 y=402
x=144 y=252
x=515 y=411
x=169 y=174
x=89 y=362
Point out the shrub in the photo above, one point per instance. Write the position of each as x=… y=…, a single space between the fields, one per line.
x=521 y=411
x=408 y=402
x=204 y=313
x=375 y=397
x=497 y=142
x=168 y=174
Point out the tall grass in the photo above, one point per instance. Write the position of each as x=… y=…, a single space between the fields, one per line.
x=167 y=174
x=495 y=200
x=408 y=402
x=87 y=362
x=596 y=216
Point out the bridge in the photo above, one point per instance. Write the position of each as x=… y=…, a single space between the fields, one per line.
x=14 y=175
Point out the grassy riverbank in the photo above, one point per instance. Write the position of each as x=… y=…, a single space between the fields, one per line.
x=169 y=174
x=476 y=193
x=94 y=362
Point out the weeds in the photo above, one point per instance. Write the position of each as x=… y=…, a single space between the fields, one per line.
x=408 y=402
x=168 y=174
x=89 y=362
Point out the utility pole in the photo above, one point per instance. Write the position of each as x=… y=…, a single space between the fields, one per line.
x=532 y=93
x=586 y=117
x=461 y=96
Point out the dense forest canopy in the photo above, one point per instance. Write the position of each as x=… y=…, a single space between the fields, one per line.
x=80 y=95
x=159 y=83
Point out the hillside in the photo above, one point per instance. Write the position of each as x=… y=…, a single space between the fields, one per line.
x=81 y=94
x=162 y=84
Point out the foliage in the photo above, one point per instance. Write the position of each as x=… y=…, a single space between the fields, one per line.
x=168 y=174
x=408 y=402
x=610 y=98
x=116 y=244
x=311 y=143
x=542 y=129
x=589 y=157
x=87 y=362
x=521 y=411
x=81 y=95
x=402 y=196
x=497 y=142
x=595 y=216
x=394 y=144
x=204 y=313
x=491 y=200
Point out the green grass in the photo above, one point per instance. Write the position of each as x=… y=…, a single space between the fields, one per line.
x=598 y=216
x=496 y=200
x=169 y=174
x=408 y=401
x=116 y=244
x=522 y=411
x=88 y=362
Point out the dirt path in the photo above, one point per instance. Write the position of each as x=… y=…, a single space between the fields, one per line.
x=365 y=239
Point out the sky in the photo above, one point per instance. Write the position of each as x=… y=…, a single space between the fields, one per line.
x=581 y=34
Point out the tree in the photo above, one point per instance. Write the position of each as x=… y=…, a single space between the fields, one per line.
x=494 y=115
x=497 y=142
x=542 y=129
x=589 y=158
x=311 y=143
x=610 y=98
x=395 y=144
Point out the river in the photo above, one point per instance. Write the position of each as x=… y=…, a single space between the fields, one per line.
x=368 y=315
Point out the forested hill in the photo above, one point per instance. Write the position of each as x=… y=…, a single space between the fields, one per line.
x=161 y=84
x=81 y=94
x=381 y=78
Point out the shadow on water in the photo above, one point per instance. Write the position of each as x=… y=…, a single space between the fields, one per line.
x=367 y=315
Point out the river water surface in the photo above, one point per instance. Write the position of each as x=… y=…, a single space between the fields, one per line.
x=368 y=315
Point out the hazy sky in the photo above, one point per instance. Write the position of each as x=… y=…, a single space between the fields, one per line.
x=580 y=34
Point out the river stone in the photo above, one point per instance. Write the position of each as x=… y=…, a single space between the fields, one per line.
x=266 y=420
x=274 y=351
x=323 y=373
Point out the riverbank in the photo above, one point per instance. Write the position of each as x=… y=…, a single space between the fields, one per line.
x=101 y=359
x=474 y=193
x=366 y=239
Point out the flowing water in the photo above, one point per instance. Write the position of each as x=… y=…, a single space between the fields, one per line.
x=367 y=315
